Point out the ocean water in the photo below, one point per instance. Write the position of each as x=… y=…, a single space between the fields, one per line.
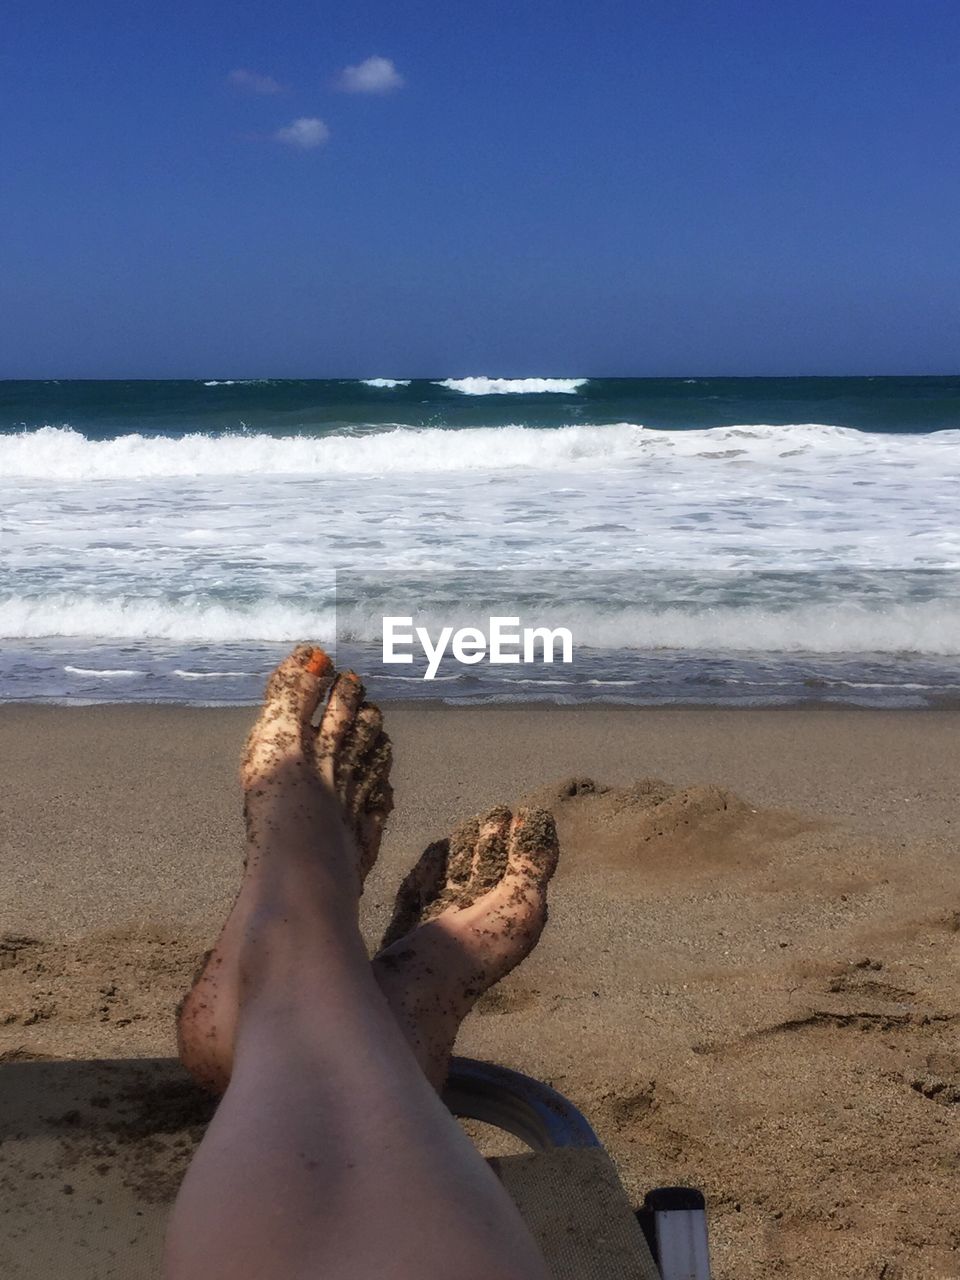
x=756 y=541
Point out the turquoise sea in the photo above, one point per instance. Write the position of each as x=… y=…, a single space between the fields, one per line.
x=745 y=540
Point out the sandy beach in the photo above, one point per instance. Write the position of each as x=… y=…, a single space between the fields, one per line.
x=750 y=980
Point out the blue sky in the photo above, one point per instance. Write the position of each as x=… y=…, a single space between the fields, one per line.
x=630 y=187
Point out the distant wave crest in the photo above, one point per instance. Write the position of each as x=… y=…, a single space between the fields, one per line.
x=101 y=673
x=513 y=386
x=385 y=383
x=208 y=675
x=63 y=455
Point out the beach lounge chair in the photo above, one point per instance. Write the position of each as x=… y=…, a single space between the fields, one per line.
x=568 y=1190
x=91 y=1153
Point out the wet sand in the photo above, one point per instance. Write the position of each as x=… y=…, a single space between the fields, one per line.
x=750 y=980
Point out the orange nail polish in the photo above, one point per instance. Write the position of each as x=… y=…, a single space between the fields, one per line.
x=319 y=664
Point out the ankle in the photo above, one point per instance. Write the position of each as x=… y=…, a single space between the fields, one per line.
x=294 y=929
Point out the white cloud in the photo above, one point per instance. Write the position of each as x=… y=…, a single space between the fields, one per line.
x=253 y=81
x=306 y=133
x=375 y=75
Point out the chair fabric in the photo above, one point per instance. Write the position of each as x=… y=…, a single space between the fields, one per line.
x=573 y=1202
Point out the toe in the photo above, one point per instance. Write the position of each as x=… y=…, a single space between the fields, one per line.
x=369 y=788
x=476 y=862
x=490 y=853
x=346 y=698
x=463 y=844
x=352 y=767
x=371 y=802
x=533 y=848
x=293 y=693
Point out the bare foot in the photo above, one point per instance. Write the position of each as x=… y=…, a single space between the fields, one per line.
x=299 y=779
x=472 y=908
x=324 y=791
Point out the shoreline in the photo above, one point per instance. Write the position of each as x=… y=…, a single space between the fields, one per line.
x=946 y=705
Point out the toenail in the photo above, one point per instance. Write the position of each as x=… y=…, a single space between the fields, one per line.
x=318 y=664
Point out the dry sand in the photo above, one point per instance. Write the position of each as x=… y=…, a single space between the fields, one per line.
x=750 y=980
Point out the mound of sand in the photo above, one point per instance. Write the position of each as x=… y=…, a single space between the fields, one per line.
x=654 y=827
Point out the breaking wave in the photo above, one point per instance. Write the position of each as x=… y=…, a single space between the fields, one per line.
x=63 y=454
x=924 y=627
x=79 y=616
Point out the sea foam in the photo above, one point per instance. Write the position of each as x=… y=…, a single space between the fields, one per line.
x=61 y=453
x=930 y=627
x=94 y=617
x=927 y=627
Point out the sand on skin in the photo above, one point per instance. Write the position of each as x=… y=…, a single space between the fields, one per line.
x=749 y=981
